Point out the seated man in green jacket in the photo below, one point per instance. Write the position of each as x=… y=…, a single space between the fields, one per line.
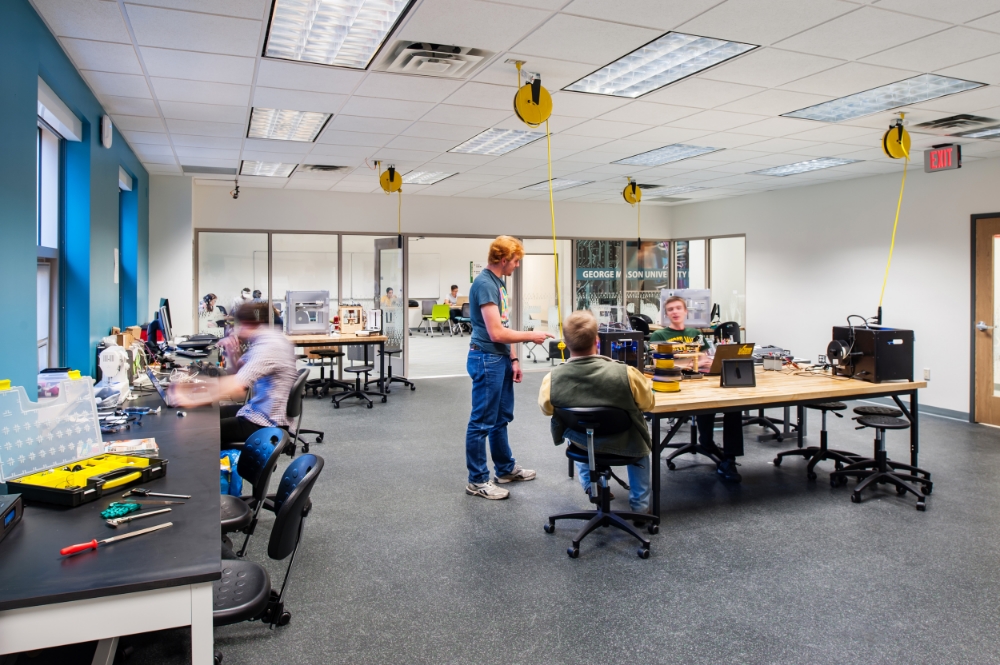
x=732 y=423
x=589 y=379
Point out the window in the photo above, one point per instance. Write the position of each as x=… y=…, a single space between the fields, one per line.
x=48 y=174
x=48 y=188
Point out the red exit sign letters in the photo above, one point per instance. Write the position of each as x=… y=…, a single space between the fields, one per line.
x=943 y=158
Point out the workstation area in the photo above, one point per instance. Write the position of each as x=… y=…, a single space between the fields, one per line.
x=706 y=292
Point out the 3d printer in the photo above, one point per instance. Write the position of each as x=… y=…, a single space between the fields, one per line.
x=308 y=312
x=872 y=353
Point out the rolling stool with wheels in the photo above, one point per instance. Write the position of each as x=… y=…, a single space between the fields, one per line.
x=358 y=390
x=877 y=411
x=880 y=469
x=818 y=454
x=391 y=351
x=605 y=420
x=322 y=385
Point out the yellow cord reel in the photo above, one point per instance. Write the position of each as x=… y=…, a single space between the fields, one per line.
x=632 y=193
x=533 y=103
x=390 y=180
x=896 y=141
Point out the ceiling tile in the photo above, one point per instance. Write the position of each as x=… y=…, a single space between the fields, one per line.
x=413 y=143
x=825 y=132
x=649 y=113
x=188 y=31
x=991 y=23
x=774 y=102
x=483 y=25
x=383 y=108
x=136 y=123
x=102 y=56
x=87 y=19
x=307 y=183
x=155 y=159
x=205 y=141
x=304 y=76
x=606 y=128
x=185 y=152
x=267 y=145
x=668 y=135
x=861 y=33
x=464 y=160
x=398 y=156
x=661 y=14
x=583 y=105
x=297 y=100
x=575 y=142
x=150 y=138
x=435 y=130
x=201 y=92
x=701 y=93
x=584 y=40
x=129 y=106
x=848 y=79
x=410 y=88
x=777 y=127
x=238 y=8
x=335 y=137
x=556 y=74
x=781 y=145
x=956 y=11
x=984 y=70
x=769 y=68
x=446 y=113
x=148 y=150
x=350 y=123
x=744 y=20
x=201 y=128
x=168 y=63
x=716 y=120
x=271 y=156
x=117 y=85
x=939 y=50
x=343 y=151
x=484 y=95
x=204 y=112
x=966 y=102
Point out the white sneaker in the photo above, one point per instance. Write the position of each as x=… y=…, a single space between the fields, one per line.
x=486 y=490
x=517 y=474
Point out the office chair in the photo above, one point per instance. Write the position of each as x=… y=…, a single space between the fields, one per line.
x=871 y=472
x=464 y=321
x=244 y=592
x=293 y=411
x=817 y=454
x=604 y=420
x=426 y=310
x=639 y=324
x=258 y=460
x=727 y=330
x=439 y=314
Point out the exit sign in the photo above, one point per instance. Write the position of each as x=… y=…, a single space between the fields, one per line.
x=943 y=158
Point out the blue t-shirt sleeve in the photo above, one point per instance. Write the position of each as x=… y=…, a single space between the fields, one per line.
x=483 y=292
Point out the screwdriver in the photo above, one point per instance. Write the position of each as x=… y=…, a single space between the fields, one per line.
x=116 y=521
x=94 y=544
x=140 y=491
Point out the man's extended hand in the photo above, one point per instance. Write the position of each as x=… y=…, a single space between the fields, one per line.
x=516 y=367
x=540 y=337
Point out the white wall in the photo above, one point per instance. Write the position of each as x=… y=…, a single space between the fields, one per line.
x=451 y=256
x=816 y=254
x=171 y=238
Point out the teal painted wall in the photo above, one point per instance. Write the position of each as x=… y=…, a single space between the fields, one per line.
x=90 y=205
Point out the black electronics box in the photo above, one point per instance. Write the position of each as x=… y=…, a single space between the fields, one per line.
x=626 y=346
x=878 y=353
x=10 y=513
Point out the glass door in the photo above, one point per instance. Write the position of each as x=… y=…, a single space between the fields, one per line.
x=598 y=273
x=390 y=296
x=647 y=271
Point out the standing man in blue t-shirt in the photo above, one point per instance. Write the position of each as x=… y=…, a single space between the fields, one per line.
x=494 y=368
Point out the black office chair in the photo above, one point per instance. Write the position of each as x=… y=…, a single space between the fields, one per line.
x=258 y=460
x=640 y=325
x=392 y=378
x=817 y=454
x=244 y=592
x=727 y=330
x=605 y=420
x=880 y=469
x=293 y=411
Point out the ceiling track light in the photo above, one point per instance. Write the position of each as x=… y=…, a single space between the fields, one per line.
x=804 y=167
x=666 y=154
x=496 y=141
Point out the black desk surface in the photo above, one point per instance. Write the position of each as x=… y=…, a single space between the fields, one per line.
x=32 y=572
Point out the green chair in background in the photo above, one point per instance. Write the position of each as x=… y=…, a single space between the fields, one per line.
x=441 y=314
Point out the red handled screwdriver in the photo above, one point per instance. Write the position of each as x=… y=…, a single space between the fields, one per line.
x=94 y=544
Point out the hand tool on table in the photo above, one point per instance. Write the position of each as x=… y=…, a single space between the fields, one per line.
x=141 y=491
x=94 y=544
x=156 y=503
x=116 y=521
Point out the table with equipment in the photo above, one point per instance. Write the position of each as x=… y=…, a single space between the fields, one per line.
x=773 y=389
x=155 y=581
x=347 y=339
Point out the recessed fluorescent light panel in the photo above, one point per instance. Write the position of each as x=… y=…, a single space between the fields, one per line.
x=271 y=169
x=424 y=177
x=901 y=93
x=666 y=154
x=345 y=33
x=983 y=133
x=673 y=191
x=804 y=167
x=558 y=184
x=283 y=125
x=497 y=141
x=661 y=62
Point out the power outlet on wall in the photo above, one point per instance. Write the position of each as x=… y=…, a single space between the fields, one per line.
x=927 y=374
x=822 y=359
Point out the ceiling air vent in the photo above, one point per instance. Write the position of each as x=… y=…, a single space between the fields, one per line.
x=319 y=168
x=208 y=170
x=960 y=121
x=425 y=59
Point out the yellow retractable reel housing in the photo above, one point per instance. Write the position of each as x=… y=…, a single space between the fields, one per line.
x=896 y=141
x=390 y=180
x=533 y=103
x=632 y=193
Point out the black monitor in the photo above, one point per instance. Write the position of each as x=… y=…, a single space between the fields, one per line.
x=165 y=304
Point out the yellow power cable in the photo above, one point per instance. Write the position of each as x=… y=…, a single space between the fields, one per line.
x=399 y=213
x=555 y=253
x=892 y=244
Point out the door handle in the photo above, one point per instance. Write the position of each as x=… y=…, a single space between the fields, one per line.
x=982 y=327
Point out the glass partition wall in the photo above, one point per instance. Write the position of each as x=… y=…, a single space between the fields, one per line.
x=230 y=266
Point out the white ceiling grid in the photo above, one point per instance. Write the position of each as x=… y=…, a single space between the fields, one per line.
x=179 y=78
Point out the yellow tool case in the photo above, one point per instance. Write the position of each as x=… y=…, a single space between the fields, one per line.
x=87 y=479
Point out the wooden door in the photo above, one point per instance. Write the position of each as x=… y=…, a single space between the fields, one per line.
x=987 y=316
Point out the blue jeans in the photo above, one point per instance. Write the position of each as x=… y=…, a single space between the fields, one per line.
x=638 y=481
x=492 y=408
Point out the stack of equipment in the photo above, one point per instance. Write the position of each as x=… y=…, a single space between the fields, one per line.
x=666 y=378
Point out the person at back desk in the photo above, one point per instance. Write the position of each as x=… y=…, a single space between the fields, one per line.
x=268 y=366
x=732 y=423
x=589 y=379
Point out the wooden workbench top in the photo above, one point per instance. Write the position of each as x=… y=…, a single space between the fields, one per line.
x=337 y=338
x=772 y=388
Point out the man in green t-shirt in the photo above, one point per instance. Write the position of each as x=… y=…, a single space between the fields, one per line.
x=732 y=423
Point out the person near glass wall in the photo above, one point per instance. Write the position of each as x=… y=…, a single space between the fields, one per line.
x=389 y=299
x=241 y=299
x=677 y=331
x=494 y=368
x=208 y=313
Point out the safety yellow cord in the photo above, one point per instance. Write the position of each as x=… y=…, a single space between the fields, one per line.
x=638 y=222
x=555 y=253
x=399 y=213
x=892 y=244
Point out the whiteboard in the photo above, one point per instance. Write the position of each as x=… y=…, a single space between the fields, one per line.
x=425 y=277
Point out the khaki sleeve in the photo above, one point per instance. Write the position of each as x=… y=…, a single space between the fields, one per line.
x=543 y=396
x=642 y=389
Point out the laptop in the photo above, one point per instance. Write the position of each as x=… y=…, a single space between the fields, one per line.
x=729 y=352
x=159 y=389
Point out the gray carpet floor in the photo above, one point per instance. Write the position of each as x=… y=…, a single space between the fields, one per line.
x=398 y=565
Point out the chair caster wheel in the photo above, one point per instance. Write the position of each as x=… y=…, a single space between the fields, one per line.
x=384 y=399
x=217 y=658
x=370 y=405
x=643 y=553
x=900 y=491
x=927 y=489
x=653 y=529
x=811 y=475
x=671 y=465
x=305 y=448
x=921 y=506
x=413 y=387
x=549 y=528
x=336 y=405
x=855 y=498
x=776 y=461
x=573 y=552
x=319 y=439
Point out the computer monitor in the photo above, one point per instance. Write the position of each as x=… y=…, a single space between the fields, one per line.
x=165 y=304
x=168 y=332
